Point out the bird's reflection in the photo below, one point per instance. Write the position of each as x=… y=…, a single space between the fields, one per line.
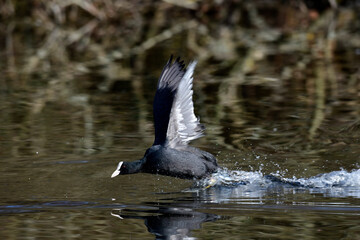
x=167 y=221
x=176 y=217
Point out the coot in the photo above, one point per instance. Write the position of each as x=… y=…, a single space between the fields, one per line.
x=175 y=126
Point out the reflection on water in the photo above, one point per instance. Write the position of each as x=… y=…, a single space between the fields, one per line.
x=170 y=222
x=58 y=149
x=236 y=209
x=237 y=202
x=57 y=156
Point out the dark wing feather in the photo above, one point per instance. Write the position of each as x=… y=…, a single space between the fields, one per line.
x=164 y=97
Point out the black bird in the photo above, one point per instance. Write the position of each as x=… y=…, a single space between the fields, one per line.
x=175 y=126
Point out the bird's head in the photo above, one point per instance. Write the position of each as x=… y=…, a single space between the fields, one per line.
x=128 y=167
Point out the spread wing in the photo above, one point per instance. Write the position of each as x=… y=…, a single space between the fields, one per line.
x=174 y=119
x=184 y=126
x=164 y=98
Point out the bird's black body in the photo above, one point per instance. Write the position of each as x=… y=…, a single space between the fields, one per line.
x=175 y=125
x=189 y=162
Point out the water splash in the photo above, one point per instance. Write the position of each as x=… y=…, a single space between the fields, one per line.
x=340 y=183
x=340 y=178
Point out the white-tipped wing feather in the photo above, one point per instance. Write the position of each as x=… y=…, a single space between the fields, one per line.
x=184 y=126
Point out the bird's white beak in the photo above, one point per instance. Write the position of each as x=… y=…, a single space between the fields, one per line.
x=117 y=171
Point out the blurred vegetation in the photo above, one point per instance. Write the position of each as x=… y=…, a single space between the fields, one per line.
x=82 y=34
x=294 y=63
